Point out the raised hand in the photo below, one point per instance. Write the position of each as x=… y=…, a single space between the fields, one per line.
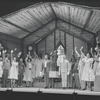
x=75 y=48
x=81 y=48
x=15 y=49
x=5 y=51
x=11 y=51
x=91 y=49
x=97 y=39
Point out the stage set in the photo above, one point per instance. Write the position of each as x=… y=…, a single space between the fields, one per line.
x=50 y=40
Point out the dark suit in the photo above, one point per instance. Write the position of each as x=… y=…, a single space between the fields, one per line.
x=76 y=82
x=46 y=73
x=52 y=68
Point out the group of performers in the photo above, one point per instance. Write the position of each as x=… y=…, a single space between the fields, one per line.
x=81 y=71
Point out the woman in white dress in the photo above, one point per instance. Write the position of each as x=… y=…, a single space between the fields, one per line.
x=88 y=73
x=13 y=73
x=34 y=64
x=80 y=66
x=1 y=68
x=39 y=67
x=28 y=72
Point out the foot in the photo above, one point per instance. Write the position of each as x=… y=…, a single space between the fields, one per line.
x=63 y=87
x=46 y=87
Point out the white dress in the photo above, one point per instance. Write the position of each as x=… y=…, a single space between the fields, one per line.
x=39 y=66
x=88 y=73
x=98 y=68
x=28 y=73
x=13 y=73
x=1 y=70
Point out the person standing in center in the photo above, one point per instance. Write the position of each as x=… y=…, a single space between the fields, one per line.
x=63 y=69
x=46 y=70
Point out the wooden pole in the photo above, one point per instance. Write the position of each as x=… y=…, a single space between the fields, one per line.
x=73 y=46
x=45 y=46
x=65 y=41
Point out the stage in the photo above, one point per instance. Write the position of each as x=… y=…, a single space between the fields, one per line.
x=41 y=93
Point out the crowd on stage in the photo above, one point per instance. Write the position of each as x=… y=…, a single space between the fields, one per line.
x=82 y=71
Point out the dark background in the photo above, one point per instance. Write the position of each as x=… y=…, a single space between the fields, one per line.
x=9 y=6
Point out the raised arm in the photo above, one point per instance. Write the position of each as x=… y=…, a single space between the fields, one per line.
x=35 y=54
x=82 y=52
x=11 y=55
x=26 y=59
x=77 y=53
x=97 y=40
x=91 y=51
x=3 y=56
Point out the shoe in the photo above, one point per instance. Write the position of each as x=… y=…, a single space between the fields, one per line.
x=46 y=87
x=63 y=87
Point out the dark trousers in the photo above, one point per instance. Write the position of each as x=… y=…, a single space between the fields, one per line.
x=70 y=78
x=46 y=78
x=20 y=78
x=51 y=82
x=76 y=82
x=5 y=77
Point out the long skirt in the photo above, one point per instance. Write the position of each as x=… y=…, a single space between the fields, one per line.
x=76 y=82
x=13 y=73
x=27 y=75
x=70 y=78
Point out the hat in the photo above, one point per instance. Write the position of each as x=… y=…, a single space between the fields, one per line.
x=60 y=50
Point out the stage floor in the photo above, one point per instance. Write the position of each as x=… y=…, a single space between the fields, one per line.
x=54 y=91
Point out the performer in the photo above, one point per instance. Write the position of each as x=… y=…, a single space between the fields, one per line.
x=1 y=68
x=46 y=70
x=39 y=67
x=80 y=67
x=34 y=65
x=28 y=72
x=52 y=68
x=76 y=75
x=63 y=69
x=21 y=69
x=97 y=69
x=13 y=73
x=88 y=74
x=70 y=76
x=97 y=75
x=6 y=68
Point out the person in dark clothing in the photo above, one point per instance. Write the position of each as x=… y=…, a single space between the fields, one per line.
x=6 y=68
x=70 y=76
x=46 y=70
x=76 y=82
x=21 y=68
x=52 y=68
